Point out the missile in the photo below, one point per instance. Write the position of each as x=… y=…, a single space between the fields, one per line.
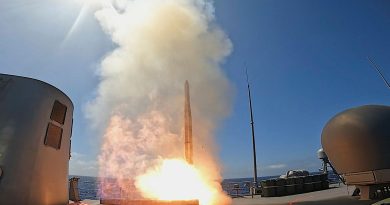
x=187 y=124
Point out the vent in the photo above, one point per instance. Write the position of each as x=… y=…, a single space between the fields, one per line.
x=53 y=136
x=58 y=112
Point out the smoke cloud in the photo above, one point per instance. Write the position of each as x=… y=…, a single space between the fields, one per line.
x=140 y=97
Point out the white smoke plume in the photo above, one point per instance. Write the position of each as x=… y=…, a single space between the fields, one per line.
x=140 y=98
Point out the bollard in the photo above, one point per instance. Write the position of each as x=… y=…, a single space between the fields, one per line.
x=74 y=189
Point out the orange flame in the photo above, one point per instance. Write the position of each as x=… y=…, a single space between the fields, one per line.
x=175 y=179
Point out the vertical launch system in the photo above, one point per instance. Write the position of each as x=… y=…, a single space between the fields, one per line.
x=188 y=156
x=187 y=124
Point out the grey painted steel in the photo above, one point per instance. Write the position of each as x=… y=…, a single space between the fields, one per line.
x=358 y=139
x=321 y=154
x=33 y=173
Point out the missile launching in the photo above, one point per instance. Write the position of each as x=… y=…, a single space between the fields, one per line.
x=187 y=124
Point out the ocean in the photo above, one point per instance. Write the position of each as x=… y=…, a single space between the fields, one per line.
x=89 y=186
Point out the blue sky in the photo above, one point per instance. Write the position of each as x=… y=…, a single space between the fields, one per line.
x=306 y=61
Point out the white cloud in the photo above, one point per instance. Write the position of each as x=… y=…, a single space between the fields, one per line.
x=276 y=166
x=80 y=165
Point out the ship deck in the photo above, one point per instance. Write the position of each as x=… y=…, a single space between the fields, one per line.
x=334 y=196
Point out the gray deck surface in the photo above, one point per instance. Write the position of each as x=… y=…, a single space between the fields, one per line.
x=334 y=196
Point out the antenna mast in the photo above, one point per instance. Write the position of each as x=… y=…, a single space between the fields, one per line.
x=377 y=68
x=253 y=133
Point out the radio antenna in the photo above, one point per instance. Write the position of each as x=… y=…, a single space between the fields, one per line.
x=255 y=183
x=377 y=68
